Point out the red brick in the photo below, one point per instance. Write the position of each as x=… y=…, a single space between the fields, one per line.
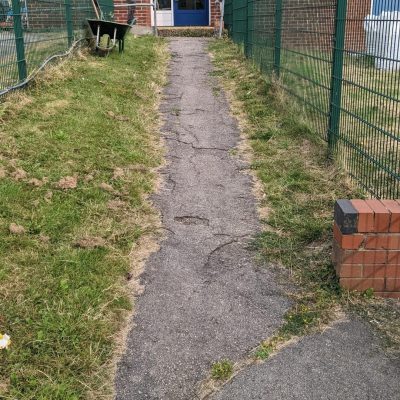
x=389 y=241
x=393 y=285
x=392 y=271
x=371 y=257
x=394 y=207
x=393 y=295
x=347 y=241
x=365 y=216
x=349 y=270
x=381 y=215
x=377 y=284
x=393 y=257
x=374 y=271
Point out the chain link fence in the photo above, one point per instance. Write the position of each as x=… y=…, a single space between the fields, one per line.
x=340 y=60
x=32 y=31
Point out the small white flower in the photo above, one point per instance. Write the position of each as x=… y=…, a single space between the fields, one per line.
x=5 y=341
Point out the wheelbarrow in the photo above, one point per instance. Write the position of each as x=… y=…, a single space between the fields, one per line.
x=115 y=31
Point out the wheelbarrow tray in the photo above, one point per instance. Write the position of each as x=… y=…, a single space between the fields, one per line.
x=108 y=28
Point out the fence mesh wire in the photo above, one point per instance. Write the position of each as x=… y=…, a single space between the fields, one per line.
x=33 y=30
x=340 y=61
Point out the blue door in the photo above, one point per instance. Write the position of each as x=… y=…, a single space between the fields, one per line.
x=190 y=12
x=379 y=6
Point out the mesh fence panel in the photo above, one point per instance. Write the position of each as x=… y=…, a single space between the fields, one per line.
x=368 y=139
x=306 y=57
x=340 y=61
x=262 y=35
x=33 y=30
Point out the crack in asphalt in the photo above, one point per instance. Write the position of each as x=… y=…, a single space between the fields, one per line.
x=204 y=298
x=192 y=220
x=197 y=147
x=217 y=249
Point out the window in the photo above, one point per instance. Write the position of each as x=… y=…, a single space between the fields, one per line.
x=191 y=4
x=164 y=5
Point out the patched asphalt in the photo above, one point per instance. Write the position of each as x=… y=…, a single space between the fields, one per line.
x=205 y=297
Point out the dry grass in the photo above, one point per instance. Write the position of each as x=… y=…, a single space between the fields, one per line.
x=300 y=188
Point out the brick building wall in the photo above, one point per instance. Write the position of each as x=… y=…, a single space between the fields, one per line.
x=357 y=10
x=143 y=14
x=50 y=15
x=309 y=24
x=306 y=23
x=46 y=14
x=121 y=13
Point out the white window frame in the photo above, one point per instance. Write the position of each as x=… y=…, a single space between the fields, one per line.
x=172 y=14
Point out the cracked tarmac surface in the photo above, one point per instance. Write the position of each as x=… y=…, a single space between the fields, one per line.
x=205 y=298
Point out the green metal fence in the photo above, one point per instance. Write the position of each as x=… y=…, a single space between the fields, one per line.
x=31 y=31
x=340 y=60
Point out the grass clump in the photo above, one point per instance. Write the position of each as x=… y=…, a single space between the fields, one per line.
x=222 y=370
x=300 y=188
x=78 y=149
x=186 y=32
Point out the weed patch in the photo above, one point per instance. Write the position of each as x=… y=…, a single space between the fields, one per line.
x=194 y=31
x=222 y=370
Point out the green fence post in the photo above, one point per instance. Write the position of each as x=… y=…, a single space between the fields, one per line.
x=246 y=35
x=19 y=39
x=250 y=4
x=229 y=19
x=68 y=20
x=233 y=23
x=337 y=74
x=278 y=36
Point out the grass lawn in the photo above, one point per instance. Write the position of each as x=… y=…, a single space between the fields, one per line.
x=300 y=189
x=76 y=163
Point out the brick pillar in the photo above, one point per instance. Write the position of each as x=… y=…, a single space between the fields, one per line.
x=366 y=248
x=215 y=14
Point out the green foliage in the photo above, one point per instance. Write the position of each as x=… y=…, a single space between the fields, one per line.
x=369 y=293
x=222 y=370
x=264 y=351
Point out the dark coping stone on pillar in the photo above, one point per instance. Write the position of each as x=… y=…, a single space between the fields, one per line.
x=346 y=217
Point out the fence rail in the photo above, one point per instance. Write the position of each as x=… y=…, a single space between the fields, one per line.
x=340 y=61
x=31 y=31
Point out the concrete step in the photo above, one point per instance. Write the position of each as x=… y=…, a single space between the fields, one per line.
x=186 y=31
